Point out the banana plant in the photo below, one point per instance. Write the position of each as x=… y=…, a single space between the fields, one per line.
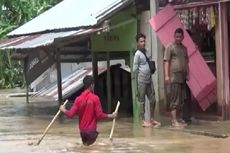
x=14 y=13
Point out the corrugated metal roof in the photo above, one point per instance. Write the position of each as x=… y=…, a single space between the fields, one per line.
x=73 y=82
x=70 y=14
x=37 y=40
x=70 y=84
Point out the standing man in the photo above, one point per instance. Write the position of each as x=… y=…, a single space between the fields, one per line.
x=88 y=108
x=176 y=73
x=144 y=81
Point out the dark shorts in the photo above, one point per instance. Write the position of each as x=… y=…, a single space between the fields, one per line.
x=178 y=94
x=89 y=137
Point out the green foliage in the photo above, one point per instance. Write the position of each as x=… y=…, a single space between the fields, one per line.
x=11 y=73
x=14 y=13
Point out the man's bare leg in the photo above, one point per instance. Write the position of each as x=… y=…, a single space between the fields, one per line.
x=175 y=123
x=145 y=123
x=154 y=122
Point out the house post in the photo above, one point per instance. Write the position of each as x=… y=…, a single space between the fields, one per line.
x=95 y=71
x=59 y=78
x=108 y=82
x=222 y=64
x=26 y=80
x=157 y=55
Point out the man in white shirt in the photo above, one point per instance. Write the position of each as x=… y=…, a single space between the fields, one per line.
x=144 y=80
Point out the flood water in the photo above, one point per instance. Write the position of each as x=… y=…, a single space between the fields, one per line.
x=22 y=124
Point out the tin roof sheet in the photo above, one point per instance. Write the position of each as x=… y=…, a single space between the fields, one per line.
x=73 y=82
x=37 y=40
x=70 y=14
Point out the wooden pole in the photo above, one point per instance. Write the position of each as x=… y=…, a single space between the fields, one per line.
x=48 y=127
x=95 y=71
x=157 y=56
x=59 y=79
x=114 y=121
x=219 y=65
x=26 y=80
x=27 y=93
x=136 y=108
x=225 y=60
x=109 y=98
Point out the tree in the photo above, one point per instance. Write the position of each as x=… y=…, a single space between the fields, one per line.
x=14 y=13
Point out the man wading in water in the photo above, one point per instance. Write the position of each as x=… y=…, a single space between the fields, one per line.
x=88 y=108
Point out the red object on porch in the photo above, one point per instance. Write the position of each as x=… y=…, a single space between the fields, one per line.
x=202 y=82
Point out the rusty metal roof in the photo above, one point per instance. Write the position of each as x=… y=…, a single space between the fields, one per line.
x=70 y=14
x=37 y=40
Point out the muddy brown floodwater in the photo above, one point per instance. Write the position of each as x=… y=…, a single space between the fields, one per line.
x=21 y=124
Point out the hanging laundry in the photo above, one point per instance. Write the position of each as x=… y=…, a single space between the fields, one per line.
x=195 y=15
x=190 y=19
x=212 y=17
x=205 y=17
x=208 y=18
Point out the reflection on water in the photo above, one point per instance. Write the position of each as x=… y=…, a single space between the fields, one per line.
x=21 y=124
